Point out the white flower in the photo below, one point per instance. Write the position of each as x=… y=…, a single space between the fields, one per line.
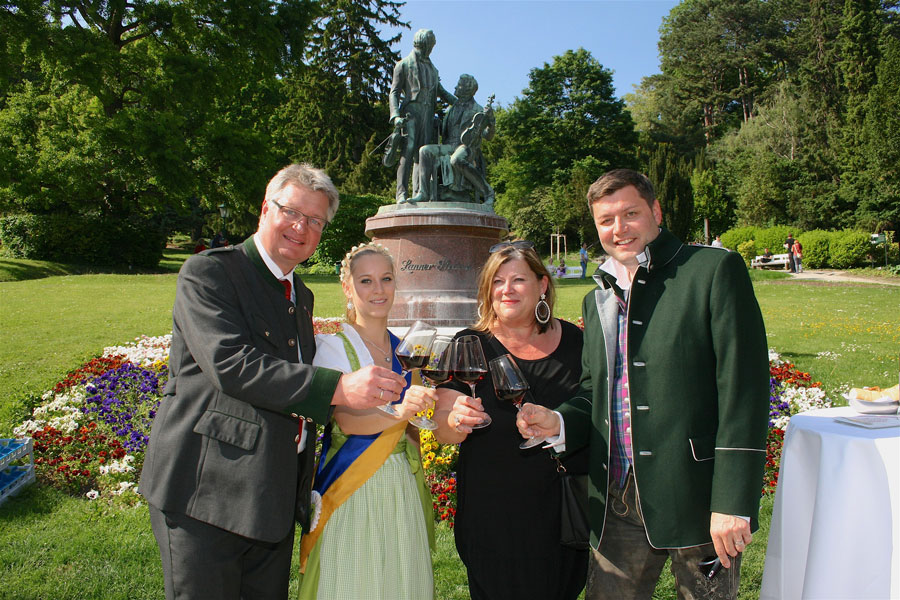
x=93 y=495
x=775 y=358
x=124 y=486
x=316 y=505
x=145 y=351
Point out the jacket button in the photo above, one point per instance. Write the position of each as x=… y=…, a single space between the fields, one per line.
x=267 y=334
x=292 y=342
x=295 y=415
x=296 y=439
x=291 y=310
x=308 y=420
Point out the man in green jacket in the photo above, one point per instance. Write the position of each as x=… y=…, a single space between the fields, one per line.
x=673 y=404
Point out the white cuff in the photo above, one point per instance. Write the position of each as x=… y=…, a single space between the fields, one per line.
x=557 y=442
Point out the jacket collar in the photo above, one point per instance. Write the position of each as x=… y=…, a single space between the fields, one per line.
x=656 y=255
x=252 y=252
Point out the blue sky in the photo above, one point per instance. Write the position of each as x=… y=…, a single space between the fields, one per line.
x=500 y=41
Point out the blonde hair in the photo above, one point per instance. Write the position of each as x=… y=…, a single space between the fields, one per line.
x=347 y=267
x=486 y=314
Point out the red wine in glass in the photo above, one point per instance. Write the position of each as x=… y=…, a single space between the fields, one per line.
x=412 y=353
x=437 y=376
x=470 y=366
x=470 y=376
x=416 y=361
x=511 y=386
x=512 y=394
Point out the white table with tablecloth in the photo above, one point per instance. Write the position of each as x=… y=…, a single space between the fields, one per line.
x=835 y=530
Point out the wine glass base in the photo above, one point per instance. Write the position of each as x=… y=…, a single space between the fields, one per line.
x=487 y=421
x=424 y=423
x=389 y=409
x=531 y=443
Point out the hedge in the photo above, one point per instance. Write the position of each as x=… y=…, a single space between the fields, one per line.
x=83 y=239
x=834 y=249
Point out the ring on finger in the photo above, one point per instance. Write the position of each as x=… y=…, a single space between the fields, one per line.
x=381 y=395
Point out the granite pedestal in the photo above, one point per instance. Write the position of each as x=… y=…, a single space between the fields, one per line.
x=438 y=250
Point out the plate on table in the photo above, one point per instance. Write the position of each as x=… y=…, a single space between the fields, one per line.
x=873 y=407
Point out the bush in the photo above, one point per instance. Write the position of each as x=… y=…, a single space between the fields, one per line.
x=83 y=239
x=815 y=248
x=747 y=250
x=733 y=238
x=348 y=228
x=773 y=238
x=849 y=249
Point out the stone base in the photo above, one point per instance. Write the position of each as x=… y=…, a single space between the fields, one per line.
x=438 y=250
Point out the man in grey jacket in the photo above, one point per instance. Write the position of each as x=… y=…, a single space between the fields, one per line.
x=229 y=465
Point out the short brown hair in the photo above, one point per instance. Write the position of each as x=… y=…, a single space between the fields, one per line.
x=486 y=314
x=615 y=180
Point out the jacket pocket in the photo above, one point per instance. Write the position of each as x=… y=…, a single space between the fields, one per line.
x=703 y=448
x=229 y=429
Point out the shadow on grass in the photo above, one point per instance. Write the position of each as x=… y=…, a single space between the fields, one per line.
x=21 y=269
x=32 y=501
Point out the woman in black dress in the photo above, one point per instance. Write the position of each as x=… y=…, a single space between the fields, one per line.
x=508 y=503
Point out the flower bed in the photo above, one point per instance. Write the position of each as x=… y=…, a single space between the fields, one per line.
x=91 y=429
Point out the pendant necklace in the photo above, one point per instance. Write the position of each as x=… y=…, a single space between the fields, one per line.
x=387 y=355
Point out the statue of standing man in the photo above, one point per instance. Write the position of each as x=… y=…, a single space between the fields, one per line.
x=416 y=81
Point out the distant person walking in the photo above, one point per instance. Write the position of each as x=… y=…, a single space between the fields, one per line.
x=583 y=258
x=717 y=243
x=789 y=246
x=797 y=251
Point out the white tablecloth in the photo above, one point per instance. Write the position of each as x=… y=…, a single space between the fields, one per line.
x=836 y=523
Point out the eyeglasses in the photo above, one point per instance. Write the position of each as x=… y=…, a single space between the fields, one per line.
x=295 y=217
x=518 y=245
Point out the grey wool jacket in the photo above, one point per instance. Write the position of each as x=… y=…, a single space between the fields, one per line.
x=222 y=446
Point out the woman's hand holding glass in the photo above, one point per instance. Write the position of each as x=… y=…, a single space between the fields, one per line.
x=467 y=414
x=416 y=399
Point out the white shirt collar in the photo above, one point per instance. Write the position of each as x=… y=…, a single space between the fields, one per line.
x=617 y=270
x=273 y=267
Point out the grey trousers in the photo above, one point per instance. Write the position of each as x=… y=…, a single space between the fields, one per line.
x=627 y=566
x=201 y=561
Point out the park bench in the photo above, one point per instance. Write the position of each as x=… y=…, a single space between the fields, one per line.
x=777 y=260
x=571 y=272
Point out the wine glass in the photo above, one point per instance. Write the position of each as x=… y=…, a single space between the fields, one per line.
x=412 y=352
x=510 y=385
x=470 y=366
x=438 y=370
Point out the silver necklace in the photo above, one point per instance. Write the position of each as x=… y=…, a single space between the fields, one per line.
x=387 y=355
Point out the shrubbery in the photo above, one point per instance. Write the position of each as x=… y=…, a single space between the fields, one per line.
x=733 y=238
x=815 y=248
x=747 y=250
x=83 y=239
x=834 y=249
x=849 y=249
x=347 y=229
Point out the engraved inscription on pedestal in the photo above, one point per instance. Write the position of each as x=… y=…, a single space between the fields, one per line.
x=438 y=249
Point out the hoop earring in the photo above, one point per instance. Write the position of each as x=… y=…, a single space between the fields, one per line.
x=542 y=310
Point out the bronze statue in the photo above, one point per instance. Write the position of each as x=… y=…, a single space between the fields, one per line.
x=415 y=89
x=458 y=160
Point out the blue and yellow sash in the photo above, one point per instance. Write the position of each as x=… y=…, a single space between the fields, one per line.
x=344 y=469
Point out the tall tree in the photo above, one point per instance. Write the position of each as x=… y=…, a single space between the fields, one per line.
x=118 y=103
x=567 y=115
x=671 y=176
x=338 y=98
x=718 y=58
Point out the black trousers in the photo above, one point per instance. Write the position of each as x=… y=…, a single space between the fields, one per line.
x=201 y=561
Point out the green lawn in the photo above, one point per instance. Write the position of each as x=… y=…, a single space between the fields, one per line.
x=54 y=546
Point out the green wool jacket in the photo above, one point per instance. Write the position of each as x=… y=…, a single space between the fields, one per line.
x=698 y=375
